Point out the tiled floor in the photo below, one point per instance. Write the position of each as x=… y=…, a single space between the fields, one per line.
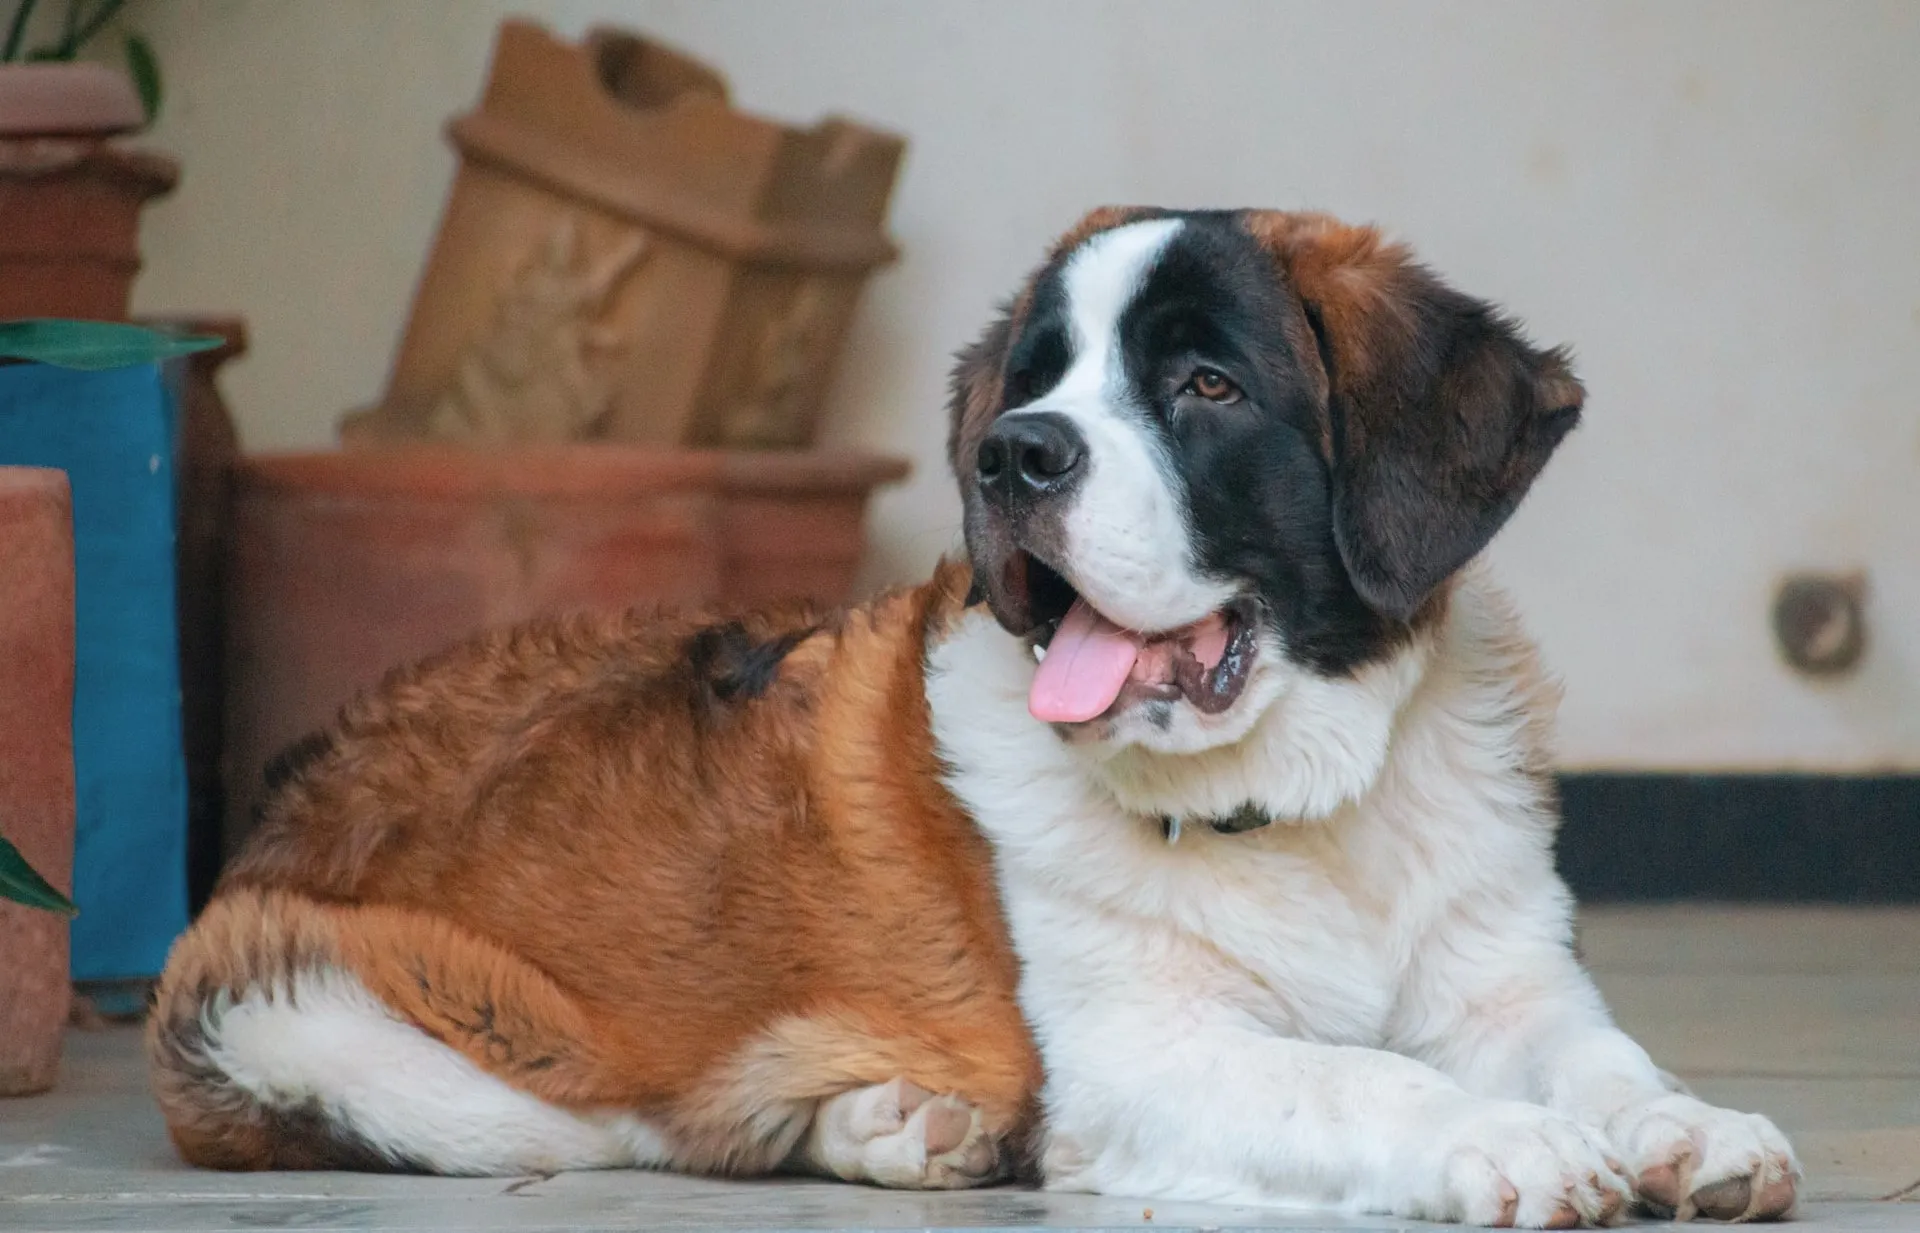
x=1812 y=1016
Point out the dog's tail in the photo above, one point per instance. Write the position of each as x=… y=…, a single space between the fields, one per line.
x=288 y=1033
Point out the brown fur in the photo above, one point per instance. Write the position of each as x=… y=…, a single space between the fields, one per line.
x=705 y=872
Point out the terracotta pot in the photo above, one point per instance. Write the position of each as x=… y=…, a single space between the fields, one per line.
x=77 y=99
x=71 y=200
x=793 y=526
x=626 y=257
x=207 y=446
x=347 y=564
x=36 y=764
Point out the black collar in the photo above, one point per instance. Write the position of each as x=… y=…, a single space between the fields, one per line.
x=1249 y=817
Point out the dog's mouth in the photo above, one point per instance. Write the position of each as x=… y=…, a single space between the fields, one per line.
x=1091 y=666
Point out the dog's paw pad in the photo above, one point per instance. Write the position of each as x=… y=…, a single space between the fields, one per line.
x=1518 y=1166
x=946 y=1123
x=901 y=1135
x=1691 y=1159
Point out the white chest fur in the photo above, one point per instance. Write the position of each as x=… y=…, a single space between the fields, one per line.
x=1412 y=803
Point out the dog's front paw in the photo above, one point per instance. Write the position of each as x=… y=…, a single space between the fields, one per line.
x=1507 y=1164
x=899 y=1134
x=1690 y=1159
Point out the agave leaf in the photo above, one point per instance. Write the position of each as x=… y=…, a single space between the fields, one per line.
x=17 y=30
x=21 y=884
x=94 y=344
x=80 y=33
x=144 y=67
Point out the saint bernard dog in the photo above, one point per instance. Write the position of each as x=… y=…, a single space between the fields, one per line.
x=1191 y=839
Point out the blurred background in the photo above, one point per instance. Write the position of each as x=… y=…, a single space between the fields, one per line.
x=1713 y=203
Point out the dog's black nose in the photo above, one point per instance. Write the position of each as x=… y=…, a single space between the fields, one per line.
x=1030 y=455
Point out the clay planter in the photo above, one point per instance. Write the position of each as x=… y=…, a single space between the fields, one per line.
x=69 y=246
x=206 y=447
x=625 y=257
x=348 y=564
x=36 y=765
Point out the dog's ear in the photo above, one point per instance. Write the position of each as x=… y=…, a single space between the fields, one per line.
x=975 y=392
x=1440 y=414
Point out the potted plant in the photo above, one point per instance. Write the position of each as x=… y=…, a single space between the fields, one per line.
x=71 y=196
x=90 y=691
x=36 y=772
x=21 y=883
x=34 y=992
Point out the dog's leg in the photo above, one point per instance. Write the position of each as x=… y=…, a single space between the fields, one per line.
x=1511 y=1013
x=1191 y=1100
x=901 y=1135
x=292 y=1034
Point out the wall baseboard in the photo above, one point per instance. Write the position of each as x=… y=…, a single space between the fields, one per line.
x=1754 y=838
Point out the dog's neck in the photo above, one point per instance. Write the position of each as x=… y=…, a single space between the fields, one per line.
x=1319 y=746
x=1249 y=817
x=1318 y=749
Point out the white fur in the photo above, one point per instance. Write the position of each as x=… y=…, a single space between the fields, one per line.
x=328 y=1042
x=1126 y=531
x=1372 y=1004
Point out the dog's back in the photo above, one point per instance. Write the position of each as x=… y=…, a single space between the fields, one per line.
x=555 y=899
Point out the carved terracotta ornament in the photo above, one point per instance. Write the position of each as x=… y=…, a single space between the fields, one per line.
x=533 y=376
x=757 y=238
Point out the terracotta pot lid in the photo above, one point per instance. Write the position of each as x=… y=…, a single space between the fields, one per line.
x=49 y=100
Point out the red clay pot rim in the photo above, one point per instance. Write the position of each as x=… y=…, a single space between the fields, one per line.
x=453 y=472
x=66 y=100
x=46 y=481
x=146 y=172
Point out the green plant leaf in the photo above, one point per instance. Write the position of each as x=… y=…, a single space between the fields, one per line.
x=16 y=31
x=21 y=884
x=80 y=33
x=145 y=69
x=95 y=344
x=42 y=55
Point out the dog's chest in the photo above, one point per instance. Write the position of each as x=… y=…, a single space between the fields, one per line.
x=1277 y=924
x=1295 y=926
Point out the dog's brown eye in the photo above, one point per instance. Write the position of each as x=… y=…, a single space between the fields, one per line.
x=1212 y=385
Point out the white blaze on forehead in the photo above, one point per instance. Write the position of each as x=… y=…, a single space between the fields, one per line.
x=1102 y=278
x=1129 y=545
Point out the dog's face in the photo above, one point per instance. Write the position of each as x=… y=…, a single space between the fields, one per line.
x=1204 y=453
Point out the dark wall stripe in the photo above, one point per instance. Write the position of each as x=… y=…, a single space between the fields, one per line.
x=1741 y=838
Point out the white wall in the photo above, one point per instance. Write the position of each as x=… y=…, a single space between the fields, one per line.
x=1715 y=202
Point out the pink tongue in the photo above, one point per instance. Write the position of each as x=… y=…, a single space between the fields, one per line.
x=1086 y=666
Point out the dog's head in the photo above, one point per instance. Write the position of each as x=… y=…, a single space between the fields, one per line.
x=1201 y=452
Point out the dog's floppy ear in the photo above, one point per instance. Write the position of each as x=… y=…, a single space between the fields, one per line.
x=1440 y=413
x=974 y=393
